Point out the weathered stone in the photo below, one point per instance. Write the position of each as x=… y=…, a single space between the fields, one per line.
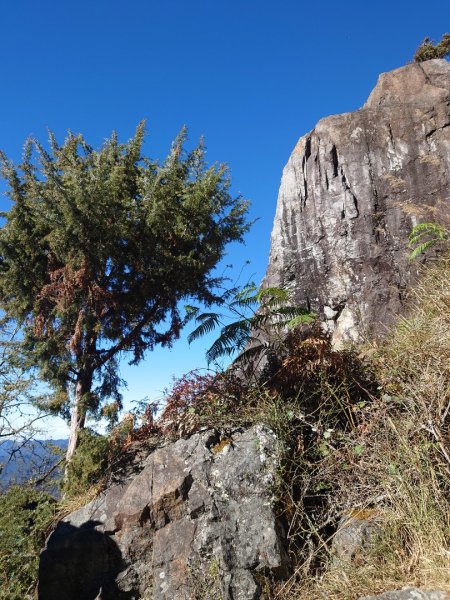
x=409 y=593
x=356 y=533
x=199 y=515
x=351 y=192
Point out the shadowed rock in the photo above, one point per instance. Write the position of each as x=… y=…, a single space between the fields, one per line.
x=80 y=563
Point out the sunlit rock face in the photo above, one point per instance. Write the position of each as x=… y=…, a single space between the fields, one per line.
x=197 y=521
x=351 y=192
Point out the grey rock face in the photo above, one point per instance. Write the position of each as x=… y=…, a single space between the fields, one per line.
x=409 y=593
x=198 y=518
x=351 y=192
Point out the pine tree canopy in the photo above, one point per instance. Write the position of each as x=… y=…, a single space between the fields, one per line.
x=99 y=247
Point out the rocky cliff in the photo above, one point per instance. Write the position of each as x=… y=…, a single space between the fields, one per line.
x=351 y=192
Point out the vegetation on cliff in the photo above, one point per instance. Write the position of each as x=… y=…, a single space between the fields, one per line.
x=427 y=235
x=25 y=516
x=362 y=433
x=429 y=50
x=100 y=248
x=395 y=461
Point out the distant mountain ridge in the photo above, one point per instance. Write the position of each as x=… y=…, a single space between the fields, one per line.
x=22 y=462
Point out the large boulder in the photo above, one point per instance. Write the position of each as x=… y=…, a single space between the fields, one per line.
x=351 y=192
x=198 y=516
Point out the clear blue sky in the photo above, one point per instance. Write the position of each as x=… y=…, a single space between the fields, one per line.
x=251 y=76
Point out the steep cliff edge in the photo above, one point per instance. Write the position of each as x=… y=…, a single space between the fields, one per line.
x=351 y=192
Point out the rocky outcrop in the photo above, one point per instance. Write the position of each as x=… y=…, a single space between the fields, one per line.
x=351 y=192
x=197 y=521
x=410 y=593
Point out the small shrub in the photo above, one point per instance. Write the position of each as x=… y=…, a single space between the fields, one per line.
x=429 y=50
x=327 y=384
x=396 y=458
x=353 y=434
x=89 y=463
x=198 y=400
x=25 y=515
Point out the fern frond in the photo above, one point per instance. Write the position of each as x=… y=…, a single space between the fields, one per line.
x=420 y=232
x=290 y=317
x=208 y=322
x=272 y=297
x=426 y=227
x=250 y=354
x=233 y=338
x=260 y=319
x=421 y=248
x=291 y=311
x=206 y=316
x=245 y=298
x=274 y=313
x=304 y=319
x=228 y=294
x=273 y=292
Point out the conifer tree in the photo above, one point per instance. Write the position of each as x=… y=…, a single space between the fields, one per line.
x=98 y=249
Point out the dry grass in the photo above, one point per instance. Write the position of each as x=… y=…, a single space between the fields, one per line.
x=412 y=547
x=69 y=505
x=402 y=464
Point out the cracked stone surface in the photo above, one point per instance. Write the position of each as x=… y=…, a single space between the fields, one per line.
x=410 y=593
x=351 y=192
x=199 y=516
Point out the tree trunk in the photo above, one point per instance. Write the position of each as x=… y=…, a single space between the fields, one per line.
x=78 y=417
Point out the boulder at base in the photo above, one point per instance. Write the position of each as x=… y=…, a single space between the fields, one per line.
x=198 y=518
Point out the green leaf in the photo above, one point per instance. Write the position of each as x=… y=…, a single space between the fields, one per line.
x=302 y=319
x=358 y=450
x=435 y=232
x=273 y=293
x=233 y=338
x=209 y=321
